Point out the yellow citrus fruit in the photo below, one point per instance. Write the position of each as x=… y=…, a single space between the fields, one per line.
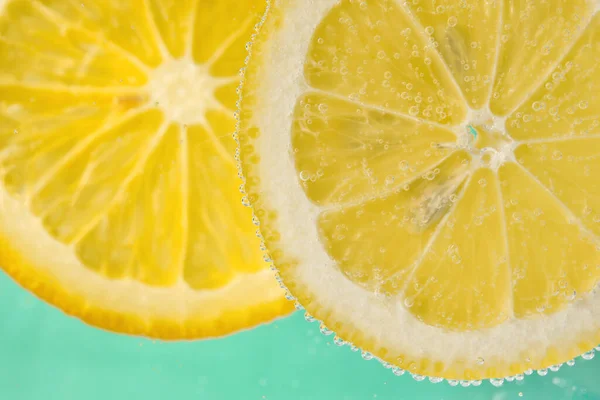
x=119 y=195
x=426 y=176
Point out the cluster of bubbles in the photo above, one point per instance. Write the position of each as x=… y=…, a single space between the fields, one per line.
x=497 y=382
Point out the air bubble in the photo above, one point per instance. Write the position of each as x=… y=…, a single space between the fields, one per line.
x=588 y=355
x=325 y=330
x=452 y=21
x=304 y=176
x=435 y=379
x=429 y=30
x=557 y=155
x=366 y=355
x=309 y=318
x=397 y=371
x=338 y=341
x=409 y=302
x=542 y=372
x=555 y=368
x=418 y=378
x=497 y=382
x=538 y=105
x=480 y=361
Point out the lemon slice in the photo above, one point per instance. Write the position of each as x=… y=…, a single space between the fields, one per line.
x=425 y=175
x=119 y=195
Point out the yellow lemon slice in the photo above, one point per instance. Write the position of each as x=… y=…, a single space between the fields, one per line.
x=119 y=195
x=426 y=176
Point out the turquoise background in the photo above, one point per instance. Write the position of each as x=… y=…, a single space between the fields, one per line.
x=45 y=355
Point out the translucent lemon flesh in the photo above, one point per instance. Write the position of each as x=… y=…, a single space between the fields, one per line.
x=116 y=153
x=438 y=199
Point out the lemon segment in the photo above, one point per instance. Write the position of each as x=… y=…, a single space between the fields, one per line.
x=563 y=266
x=410 y=215
x=438 y=217
x=462 y=281
x=559 y=108
x=119 y=195
x=375 y=63
x=174 y=20
x=568 y=170
x=465 y=34
x=534 y=38
x=342 y=149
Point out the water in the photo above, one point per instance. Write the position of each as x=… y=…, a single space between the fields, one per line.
x=46 y=355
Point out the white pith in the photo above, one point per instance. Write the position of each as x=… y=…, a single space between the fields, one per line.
x=281 y=83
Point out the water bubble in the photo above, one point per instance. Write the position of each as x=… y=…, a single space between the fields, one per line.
x=429 y=30
x=414 y=110
x=409 y=302
x=323 y=108
x=542 y=372
x=397 y=371
x=583 y=104
x=528 y=371
x=482 y=182
x=418 y=378
x=570 y=363
x=480 y=360
x=435 y=379
x=381 y=54
x=465 y=383
x=452 y=382
x=320 y=41
x=557 y=155
x=353 y=348
x=452 y=21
